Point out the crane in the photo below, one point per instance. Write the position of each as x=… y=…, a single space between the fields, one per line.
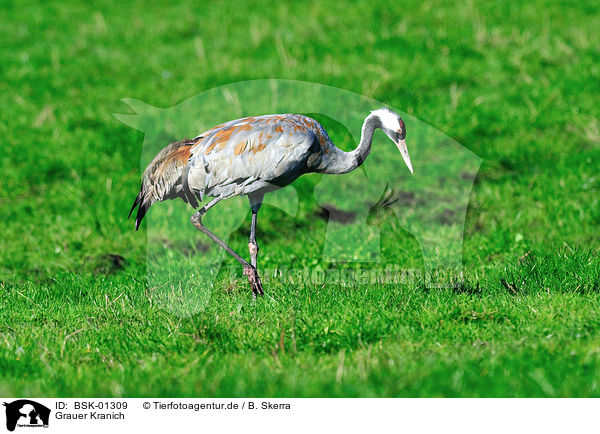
x=250 y=157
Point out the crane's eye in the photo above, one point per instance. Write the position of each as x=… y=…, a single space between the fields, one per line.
x=401 y=131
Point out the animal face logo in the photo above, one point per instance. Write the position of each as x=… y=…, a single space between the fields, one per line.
x=26 y=413
x=420 y=215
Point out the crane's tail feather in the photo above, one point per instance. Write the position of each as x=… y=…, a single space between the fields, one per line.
x=162 y=179
x=136 y=202
x=143 y=207
x=142 y=210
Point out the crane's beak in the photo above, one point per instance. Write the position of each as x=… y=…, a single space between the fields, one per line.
x=401 y=144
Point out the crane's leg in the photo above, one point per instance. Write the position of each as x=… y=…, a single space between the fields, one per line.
x=249 y=270
x=255 y=203
x=252 y=244
x=253 y=277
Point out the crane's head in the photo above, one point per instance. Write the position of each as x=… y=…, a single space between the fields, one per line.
x=393 y=126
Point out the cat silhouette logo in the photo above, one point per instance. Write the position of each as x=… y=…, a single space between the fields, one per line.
x=26 y=413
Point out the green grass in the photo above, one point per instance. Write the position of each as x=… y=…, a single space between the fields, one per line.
x=518 y=85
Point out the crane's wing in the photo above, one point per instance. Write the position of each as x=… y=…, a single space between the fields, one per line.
x=250 y=154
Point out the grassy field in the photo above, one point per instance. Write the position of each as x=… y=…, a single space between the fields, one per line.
x=517 y=84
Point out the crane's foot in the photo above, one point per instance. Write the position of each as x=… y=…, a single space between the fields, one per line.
x=254 y=279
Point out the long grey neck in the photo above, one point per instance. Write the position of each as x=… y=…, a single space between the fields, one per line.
x=344 y=162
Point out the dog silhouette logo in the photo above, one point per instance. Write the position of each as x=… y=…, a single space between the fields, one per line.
x=26 y=413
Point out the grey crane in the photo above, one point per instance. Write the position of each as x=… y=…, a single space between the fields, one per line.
x=253 y=156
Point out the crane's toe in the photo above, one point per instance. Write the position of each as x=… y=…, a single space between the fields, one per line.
x=254 y=279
